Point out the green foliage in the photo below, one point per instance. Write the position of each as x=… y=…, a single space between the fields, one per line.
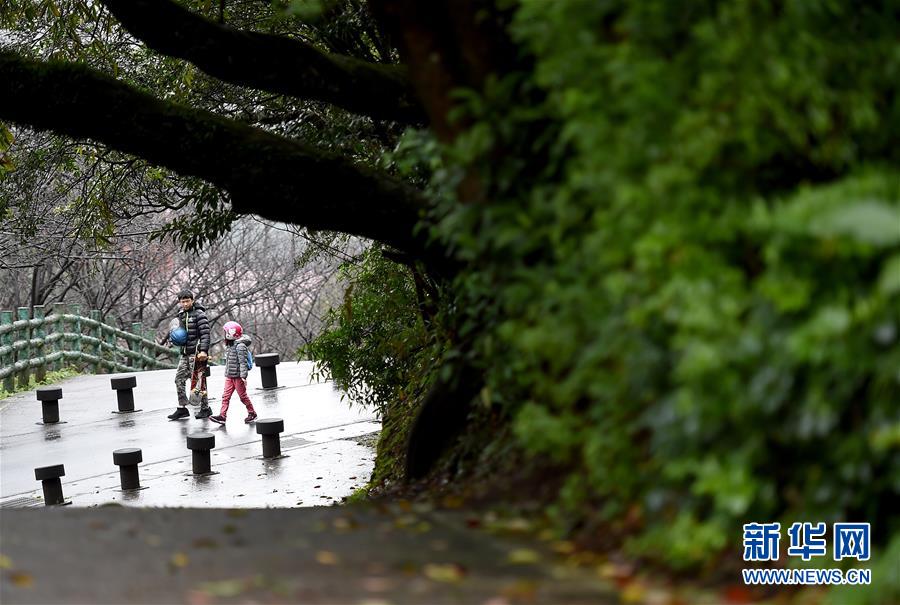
x=684 y=282
x=701 y=315
x=208 y=220
x=6 y=139
x=375 y=346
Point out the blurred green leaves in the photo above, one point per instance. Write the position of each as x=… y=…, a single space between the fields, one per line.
x=683 y=285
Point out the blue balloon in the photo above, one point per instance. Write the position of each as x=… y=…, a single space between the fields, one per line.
x=178 y=336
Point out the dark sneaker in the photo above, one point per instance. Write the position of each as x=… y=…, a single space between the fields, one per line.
x=179 y=413
x=219 y=419
x=250 y=417
x=203 y=413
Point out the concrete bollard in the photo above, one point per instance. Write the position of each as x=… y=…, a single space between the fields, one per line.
x=201 y=444
x=49 y=478
x=127 y=460
x=271 y=441
x=267 y=363
x=123 y=387
x=49 y=398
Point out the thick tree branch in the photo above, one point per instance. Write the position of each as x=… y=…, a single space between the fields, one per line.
x=268 y=62
x=448 y=45
x=265 y=174
x=442 y=417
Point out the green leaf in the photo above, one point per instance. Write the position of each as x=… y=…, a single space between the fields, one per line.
x=305 y=9
x=868 y=221
x=889 y=282
x=6 y=137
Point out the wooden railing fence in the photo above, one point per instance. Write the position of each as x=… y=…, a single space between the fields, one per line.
x=58 y=335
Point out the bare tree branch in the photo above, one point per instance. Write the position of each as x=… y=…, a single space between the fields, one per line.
x=268 y=62
x=265 y=174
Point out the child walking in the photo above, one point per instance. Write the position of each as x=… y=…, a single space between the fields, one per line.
x=236 y=369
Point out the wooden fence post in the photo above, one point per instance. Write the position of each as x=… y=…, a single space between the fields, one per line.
x=50 y=328
x=137 y=328
x=40 y=372
x=150 y=334
x=76 y=330
x=113 y=353
x=98 y=334
x=6 y=318
x=60 y=326
x=23 y=377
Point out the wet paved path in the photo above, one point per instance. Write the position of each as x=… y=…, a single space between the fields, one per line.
x=323 y=462
x=221 y=545
x=362 y=555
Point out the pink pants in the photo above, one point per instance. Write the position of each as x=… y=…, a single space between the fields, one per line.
x=232 y=385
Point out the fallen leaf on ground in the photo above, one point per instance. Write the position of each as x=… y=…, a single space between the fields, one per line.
x=224 y=588
x=377 y=584
x=450 y=572
x=21 y=579
x=523 y=556
x=452 y=502
x=5 y=562
x=522 y=590
x=563 y=572
x=422 y=507
x=198 y=597
x=515 y=525
x=344 y=524
x=585 y=557
x=179 y=560
x=564 y=547
x=738 y=595
x=205 y=543
x=326 y=557
x=634 y=592
x=658 y=596
x=615 y=571
x=406 y=521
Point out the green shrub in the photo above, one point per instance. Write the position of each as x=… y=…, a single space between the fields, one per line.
x=693 y=300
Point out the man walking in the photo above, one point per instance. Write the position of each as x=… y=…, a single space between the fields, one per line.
x=194 y=354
